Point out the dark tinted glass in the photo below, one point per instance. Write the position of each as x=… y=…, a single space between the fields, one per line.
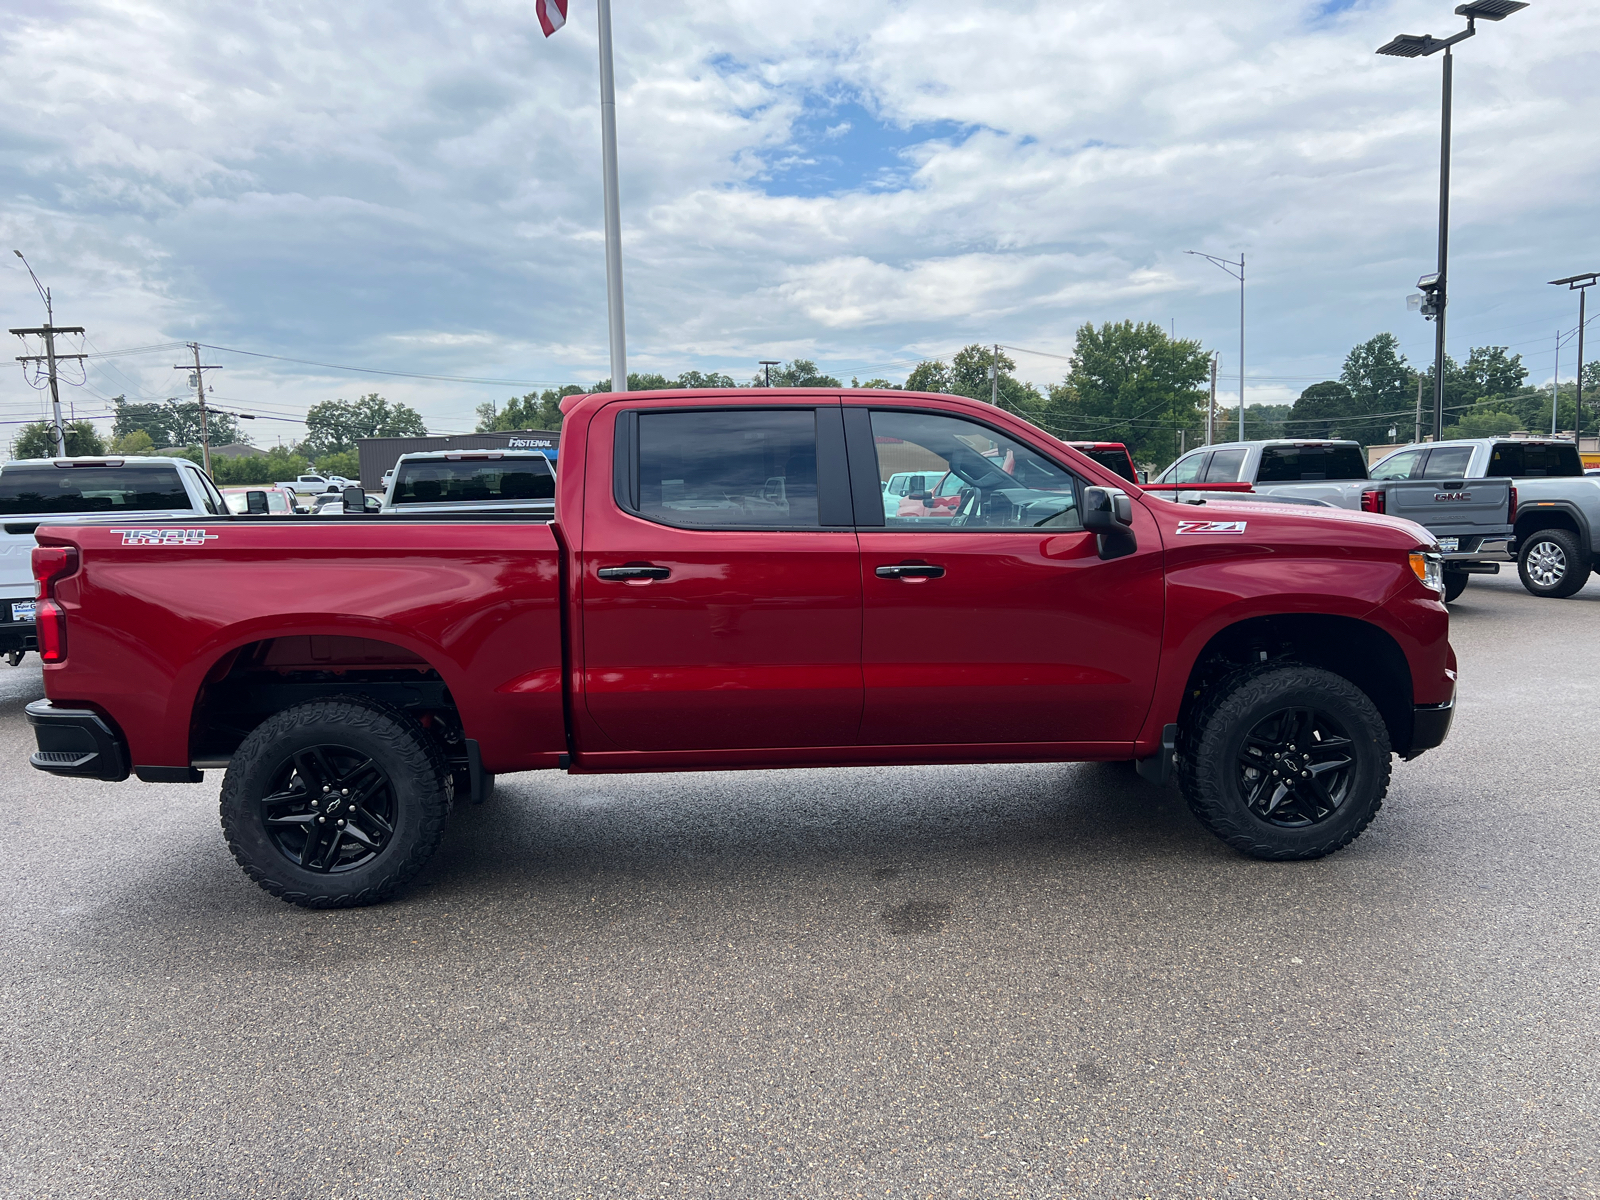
x=1448 y=462
x=730 y=468
x=1533 y=460
x=1225 y=466
x=1113 y=460
x=26 y=490
x=470 y=480
x=1288 y=464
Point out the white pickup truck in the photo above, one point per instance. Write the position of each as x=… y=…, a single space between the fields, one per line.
x=63 y=490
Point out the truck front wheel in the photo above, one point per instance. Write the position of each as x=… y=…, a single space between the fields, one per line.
x=1551 y=564
x=1455 y=582
x=1285 y=762
x=335 y=803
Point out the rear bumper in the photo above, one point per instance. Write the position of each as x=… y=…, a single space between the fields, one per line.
x=1430 y=725
x=18 y=635
x=76 y=742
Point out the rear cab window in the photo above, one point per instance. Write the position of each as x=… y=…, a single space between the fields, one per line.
x=473 y=480
x=26 y=490
x=1225 y=466
x=1291 y=464
x=1533 y=460
x=1448 y=462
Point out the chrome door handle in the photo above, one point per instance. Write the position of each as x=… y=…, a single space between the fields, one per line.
x=624 y=574
x=910 y=571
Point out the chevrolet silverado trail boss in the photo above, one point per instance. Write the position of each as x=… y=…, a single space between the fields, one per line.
x=721 y=588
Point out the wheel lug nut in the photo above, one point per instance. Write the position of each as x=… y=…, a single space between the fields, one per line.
x=344 y=791
x=320 y=820
x=341 y=824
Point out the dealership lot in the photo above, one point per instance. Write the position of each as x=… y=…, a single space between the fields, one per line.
x=984 y=981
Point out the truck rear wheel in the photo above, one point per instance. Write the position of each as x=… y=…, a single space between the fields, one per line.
x=335 y=803
x=1551 y=564
x=1285 y=762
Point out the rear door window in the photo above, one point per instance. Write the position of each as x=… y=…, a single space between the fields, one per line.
x=48 y=489
x=718 y=468
x=1448 y=462
x=1290 y=464
x=1186 y=470
x=1225 y=466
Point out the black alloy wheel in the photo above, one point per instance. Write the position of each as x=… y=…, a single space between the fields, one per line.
x=336 y=802
x=330 y=808
x=1295 y=767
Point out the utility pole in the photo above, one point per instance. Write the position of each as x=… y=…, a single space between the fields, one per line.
x=1418 y=438
x=1555 y=388
x=200 y=395
x=1228 y=265
x=768 y=363
x=1211 y=409
x=1580 y=284
x=994 y=377
x=48 y=332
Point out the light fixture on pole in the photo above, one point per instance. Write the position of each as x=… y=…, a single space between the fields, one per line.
x=768 y=363
x=1228 y=265
x=1580 y=284
x=1411 y=45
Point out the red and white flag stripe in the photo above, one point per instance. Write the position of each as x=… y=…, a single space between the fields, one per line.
x=552 y=14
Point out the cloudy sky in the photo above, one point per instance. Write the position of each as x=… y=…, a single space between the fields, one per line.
x=416 y=188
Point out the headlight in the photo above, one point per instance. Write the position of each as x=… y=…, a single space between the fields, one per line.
x=1429 y=568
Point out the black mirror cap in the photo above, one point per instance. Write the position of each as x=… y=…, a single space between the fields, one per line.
x=1108 y=515
x=355 y=500
x=255 y=503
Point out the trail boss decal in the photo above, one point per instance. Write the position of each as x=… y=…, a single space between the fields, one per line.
x=1211 y=526
x=165 y=537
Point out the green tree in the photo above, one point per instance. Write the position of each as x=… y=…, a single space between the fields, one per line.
x=280 y=462
x=136 y=443
x=1483 y=424
x=536 y=410
x=930 y=377
x=1260 y=421
x=334 y=426
x=1381 y=385
x=1322 y=411
x=874 y=383
x=38 y=440
x=173 y=423
x=343 y=462
x=968 y=375
x=1133 y=384
x=801 y=372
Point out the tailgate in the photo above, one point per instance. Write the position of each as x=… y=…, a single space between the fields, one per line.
x=1453 y=508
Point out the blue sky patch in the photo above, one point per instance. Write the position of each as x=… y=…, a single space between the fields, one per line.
x=841 y=146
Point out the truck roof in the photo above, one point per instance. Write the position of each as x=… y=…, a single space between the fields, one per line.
x=99 y=460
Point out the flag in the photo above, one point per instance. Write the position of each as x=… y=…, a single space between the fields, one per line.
x=552 y=14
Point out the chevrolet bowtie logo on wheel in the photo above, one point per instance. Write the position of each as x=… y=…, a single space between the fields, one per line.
x=165 y=537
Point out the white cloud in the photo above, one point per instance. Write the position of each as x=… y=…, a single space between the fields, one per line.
x=418 y=188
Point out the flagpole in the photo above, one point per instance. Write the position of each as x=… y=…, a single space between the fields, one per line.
x=608 y=138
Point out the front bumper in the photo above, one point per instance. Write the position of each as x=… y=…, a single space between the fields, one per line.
x=76 y=742
x=1430 y=725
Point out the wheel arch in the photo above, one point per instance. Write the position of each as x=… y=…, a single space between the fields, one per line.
x=1354 y=649
x=1556 y=514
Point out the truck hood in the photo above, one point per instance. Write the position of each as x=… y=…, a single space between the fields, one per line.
x=1265 y=522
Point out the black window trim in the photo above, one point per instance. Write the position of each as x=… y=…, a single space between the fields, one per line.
x=833 y=491
x=863 y=456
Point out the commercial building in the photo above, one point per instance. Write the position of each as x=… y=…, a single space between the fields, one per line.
x=379 y=454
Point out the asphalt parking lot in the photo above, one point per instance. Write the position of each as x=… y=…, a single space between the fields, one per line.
x=977 y=981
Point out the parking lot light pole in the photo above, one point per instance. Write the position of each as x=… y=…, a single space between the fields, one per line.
x=1411 y=45
x=1228 y=265
x=1580 y=284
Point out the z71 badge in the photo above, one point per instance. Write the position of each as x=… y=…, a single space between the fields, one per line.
x=1211 y=526
x=165 y=537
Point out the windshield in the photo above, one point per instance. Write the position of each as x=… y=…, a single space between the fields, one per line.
x=1112 y=459
x=90 y=489
x=474 y=480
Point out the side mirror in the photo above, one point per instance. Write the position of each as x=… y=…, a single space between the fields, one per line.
x=1108 y=514
x=255 y=503
x=355 y=500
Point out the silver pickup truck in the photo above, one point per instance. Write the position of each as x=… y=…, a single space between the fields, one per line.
x=65 y=490
x=1558 y=507
x=1473 y=524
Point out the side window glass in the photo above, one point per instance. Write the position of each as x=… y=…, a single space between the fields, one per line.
x=1398 y=466
x=1448 y=462
x=1225 y=466
x=1186 y=470
x=209 y=496
x=975 y=477
x=720 y=469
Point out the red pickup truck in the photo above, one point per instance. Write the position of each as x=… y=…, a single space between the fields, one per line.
x=721 y=588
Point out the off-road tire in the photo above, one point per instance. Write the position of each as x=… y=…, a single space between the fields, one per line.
x=417 y=774
x=1537 y=555
x=1455 y=582
x=1212 y=741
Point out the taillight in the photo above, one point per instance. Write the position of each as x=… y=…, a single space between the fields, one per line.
x=1511 y=517
x=51 y=563
x=1373 y=502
